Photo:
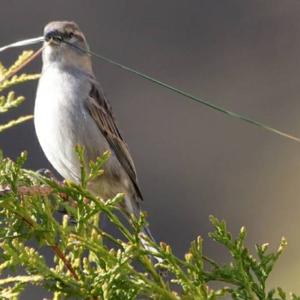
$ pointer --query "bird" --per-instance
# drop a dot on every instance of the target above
(71, 109)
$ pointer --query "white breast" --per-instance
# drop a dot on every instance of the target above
(61, 122)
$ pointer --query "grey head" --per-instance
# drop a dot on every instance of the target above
(63, 41)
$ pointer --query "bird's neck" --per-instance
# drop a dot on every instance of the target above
(70, 60)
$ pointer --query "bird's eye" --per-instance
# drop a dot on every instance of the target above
(67, 35)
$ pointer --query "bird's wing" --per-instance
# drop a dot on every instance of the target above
(101, 112)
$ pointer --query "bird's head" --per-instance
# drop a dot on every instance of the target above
(63, 41)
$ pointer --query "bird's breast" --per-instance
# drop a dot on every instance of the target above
(62, 121)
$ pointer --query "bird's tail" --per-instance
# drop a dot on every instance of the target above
(146, 234)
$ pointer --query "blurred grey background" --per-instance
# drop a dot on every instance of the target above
(191, 161)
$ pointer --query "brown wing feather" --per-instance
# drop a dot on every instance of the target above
(102, 114)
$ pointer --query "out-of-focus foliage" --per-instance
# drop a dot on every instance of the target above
(7, 80)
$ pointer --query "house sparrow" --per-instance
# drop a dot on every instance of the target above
(71, 109)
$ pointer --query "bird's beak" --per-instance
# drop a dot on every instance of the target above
(53, 37)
